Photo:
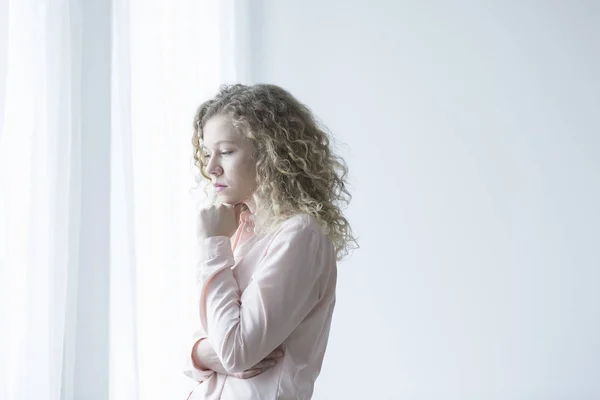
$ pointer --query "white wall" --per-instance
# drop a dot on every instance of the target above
(472, 131)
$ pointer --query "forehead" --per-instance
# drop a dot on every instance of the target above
(220, 128)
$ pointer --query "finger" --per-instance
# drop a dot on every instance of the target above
(251, 373)
(236, 207)
(275, 354)
(265, 364)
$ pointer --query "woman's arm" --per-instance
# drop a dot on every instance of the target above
(190, 368)
(205, 359)
(285, 287)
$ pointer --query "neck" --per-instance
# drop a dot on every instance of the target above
(251, 204)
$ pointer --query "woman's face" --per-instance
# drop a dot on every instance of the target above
(228, 160)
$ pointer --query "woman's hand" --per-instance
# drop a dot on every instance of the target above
(220, 220)
(269, 362)
(205, 358)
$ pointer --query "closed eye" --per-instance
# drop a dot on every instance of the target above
(207, 156)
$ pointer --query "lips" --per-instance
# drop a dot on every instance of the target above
(219, 187)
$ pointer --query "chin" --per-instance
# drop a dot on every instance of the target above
(229, 199)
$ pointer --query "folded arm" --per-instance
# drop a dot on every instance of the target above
(244, 328)
(205, 358)
(191, 367)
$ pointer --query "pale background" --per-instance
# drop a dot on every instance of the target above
(472, 131)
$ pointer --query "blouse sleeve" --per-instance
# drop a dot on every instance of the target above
(189, 369)
(244, 328)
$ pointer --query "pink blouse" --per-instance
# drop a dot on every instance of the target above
(256, 293)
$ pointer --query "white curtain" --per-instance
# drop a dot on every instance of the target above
(167, 58)
(40, 196)
(96, 213)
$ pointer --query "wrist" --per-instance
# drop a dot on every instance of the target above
(208, 359)
(209, 236)
(197, 356)
(203, 236)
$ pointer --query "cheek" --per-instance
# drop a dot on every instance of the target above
(248, 171)
(242, 170)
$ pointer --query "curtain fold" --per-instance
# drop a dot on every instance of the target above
(166, 61)
(64, 208)
(39, 196)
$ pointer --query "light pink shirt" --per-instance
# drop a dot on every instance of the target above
(256, 293)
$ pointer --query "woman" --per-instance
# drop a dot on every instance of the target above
(267, 253)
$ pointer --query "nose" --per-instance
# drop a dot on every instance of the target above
(213, 167)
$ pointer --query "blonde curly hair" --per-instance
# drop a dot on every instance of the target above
(296, 170)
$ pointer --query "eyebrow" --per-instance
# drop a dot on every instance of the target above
(221, 141)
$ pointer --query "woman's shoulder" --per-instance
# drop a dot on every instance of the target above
(303, 225)
(303, 231)
(301, 222)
